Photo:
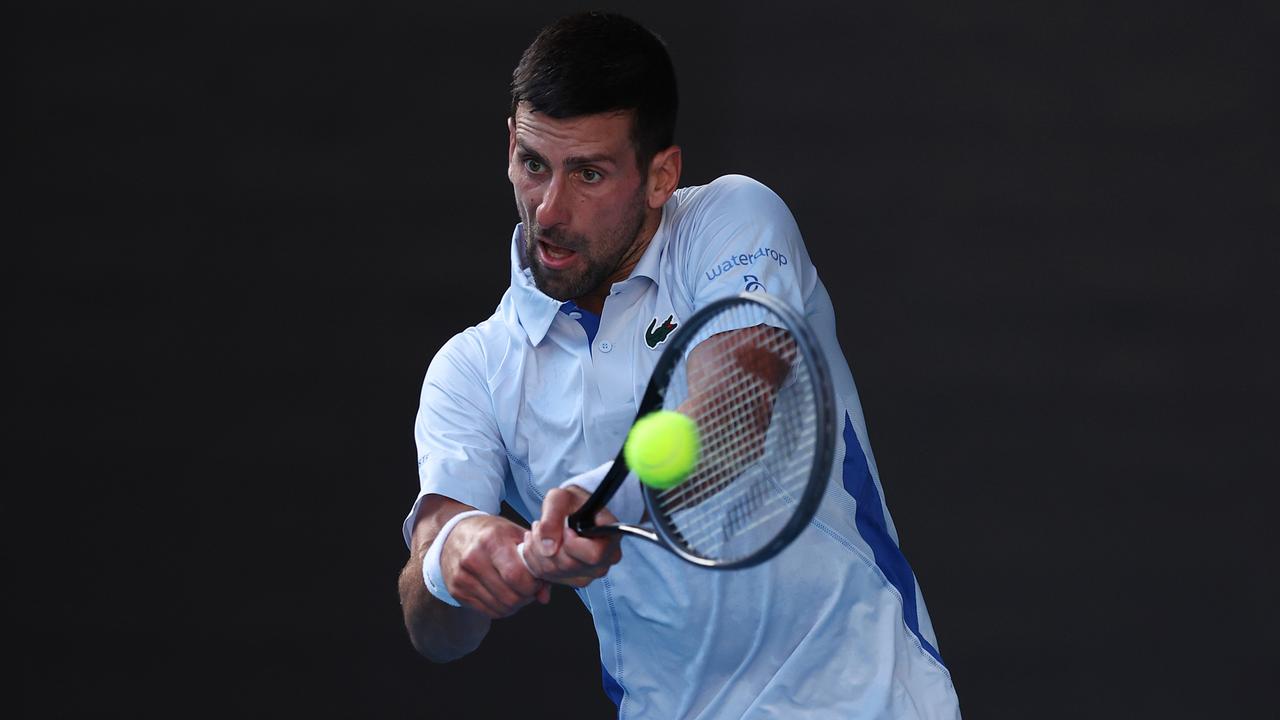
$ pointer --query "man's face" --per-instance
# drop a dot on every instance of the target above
(581, 198)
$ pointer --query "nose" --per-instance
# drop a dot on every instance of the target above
(552, 210)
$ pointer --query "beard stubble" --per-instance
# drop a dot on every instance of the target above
(617, 244)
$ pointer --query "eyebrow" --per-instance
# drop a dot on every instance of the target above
(571, 161)
(578, 160)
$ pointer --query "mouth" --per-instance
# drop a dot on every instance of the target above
(555, 258)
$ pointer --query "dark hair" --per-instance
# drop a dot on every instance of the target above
(600, 62)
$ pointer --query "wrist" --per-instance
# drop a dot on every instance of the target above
(432, 573)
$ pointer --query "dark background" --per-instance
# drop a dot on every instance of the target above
(1049, 230)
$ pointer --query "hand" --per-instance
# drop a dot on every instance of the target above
(556, 553)
(482, 571)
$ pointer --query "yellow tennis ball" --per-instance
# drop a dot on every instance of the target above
(662, 448)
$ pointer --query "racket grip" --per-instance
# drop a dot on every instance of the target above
(583, 521)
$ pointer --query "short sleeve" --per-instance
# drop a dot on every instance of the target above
(460, 451)
(746, 240)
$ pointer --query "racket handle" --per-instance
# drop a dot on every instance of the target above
(583, 521)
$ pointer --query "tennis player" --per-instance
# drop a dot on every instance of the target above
(523, 408)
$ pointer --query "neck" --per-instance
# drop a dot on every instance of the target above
(594, 300)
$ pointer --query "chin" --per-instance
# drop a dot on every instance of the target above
(547, 284)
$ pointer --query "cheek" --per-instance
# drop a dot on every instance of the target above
(618, 210)
(523, 199)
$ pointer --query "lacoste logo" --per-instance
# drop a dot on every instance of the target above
(657, 334)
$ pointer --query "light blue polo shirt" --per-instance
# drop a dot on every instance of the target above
(833, 627)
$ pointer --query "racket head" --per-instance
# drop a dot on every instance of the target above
(752, 375)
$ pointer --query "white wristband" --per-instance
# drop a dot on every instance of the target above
(626, 504)
(432, 574)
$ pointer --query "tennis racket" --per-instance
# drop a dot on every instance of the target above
(750, 373)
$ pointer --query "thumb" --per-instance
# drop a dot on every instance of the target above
(549, 531)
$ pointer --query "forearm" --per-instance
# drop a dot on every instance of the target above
(441, 632)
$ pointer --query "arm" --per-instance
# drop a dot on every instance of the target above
(481, 571)
(728, 362)
(461, 463)
(733, 379)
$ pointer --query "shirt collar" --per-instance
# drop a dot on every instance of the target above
(648, 264)
(536, 311)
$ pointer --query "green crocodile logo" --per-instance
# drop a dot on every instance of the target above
(657, 334)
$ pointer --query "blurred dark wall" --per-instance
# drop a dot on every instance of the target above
(1049, 229)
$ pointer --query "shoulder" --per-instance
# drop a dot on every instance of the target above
(736, 194)
(734, 235)
(731, 213)
(472, 353)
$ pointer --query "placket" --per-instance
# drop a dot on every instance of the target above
(608, 398)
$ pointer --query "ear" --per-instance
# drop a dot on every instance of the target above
(664, 176)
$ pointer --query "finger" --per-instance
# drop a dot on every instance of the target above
(543, 543)
(508, 600)
(488, 607)
(472, 594)
(544, 593)
(564, 570)
(505, 584)
(522, 576)
(605, 517)
(507, 603)
(549, 530)
(488, 593)
(587, 551)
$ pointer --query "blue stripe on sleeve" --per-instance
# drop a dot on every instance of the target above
(869, 519)
(611, 686)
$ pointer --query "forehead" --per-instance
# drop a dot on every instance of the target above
(600, 134)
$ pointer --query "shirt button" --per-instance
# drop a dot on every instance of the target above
(605, 346)
(575, 315)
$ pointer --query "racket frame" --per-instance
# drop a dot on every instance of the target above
(663, 532)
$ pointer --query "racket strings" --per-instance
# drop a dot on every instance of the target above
(711, 541)
(735, 516)
(735, 509)
(724, 428)
(762, 494)
(723, 450)
(716, 468)
(749, 391)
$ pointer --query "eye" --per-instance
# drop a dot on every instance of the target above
(590, 176)
(533, 166)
